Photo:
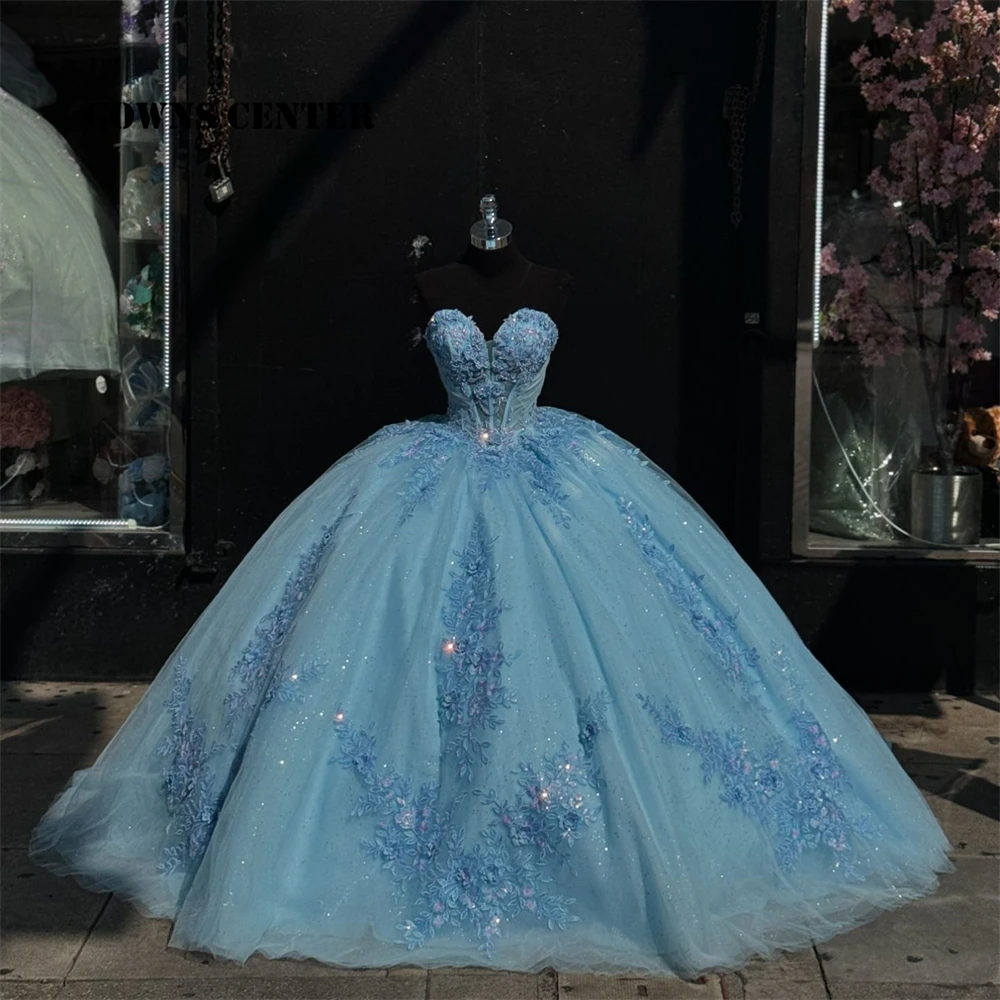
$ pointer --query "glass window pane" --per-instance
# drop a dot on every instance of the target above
(89, 430)
(904, 426)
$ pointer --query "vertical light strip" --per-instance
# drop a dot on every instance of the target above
(820, 157)
(168, 183)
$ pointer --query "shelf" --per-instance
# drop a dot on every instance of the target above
(106, 535)
(820, 546)
(50, 509)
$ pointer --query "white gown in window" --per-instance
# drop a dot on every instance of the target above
(58, 302)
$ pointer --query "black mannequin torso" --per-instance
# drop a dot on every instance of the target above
(489, 285)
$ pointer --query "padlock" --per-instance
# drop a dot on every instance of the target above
(221, 189)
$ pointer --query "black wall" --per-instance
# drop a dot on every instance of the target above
(599, 127)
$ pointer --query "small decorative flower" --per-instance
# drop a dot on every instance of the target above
(25, 418)
(154, 468)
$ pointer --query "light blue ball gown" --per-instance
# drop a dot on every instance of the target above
(495, 691)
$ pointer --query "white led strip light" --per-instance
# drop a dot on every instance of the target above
(820, 155)
(47, 523)
(168, 173)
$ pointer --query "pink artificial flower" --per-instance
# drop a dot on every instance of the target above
(964, 344)
(984, 286)
(985, 258)
(828, 260)
(25, 418)
(884, 22)
(855, 278)
(891, 257)
(934, 87)
(854, 8)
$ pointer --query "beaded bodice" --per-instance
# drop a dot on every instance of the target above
(492, 385)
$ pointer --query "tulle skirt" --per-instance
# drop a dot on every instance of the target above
(516, 704)
(58, 302)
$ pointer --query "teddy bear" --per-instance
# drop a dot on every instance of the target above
(979, 446)
(979, 438)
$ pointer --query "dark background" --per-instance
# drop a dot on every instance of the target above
(599, 127)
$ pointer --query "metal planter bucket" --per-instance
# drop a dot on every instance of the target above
(946, 507)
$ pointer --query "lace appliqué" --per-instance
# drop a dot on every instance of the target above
(791, 790)
(259, 663)
(522, 453)
(458, 347)
(188, 780)
(556, 803)
(591, 716)
(570, 431)
(404, 428)
(291, 683)
(521, 348)
(739, 660)
(522, 345)
(471, 660)
(480, 887)
(429, 451)
(527, 452)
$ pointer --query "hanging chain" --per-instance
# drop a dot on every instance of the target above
(214, 131)
(737, 102)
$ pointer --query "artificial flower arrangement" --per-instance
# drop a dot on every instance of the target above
(935, 284)
(141, 302)
(145, 403)
(142, 203)
(25, 428)
(141, 21)
(144, 490)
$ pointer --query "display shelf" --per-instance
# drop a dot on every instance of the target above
(821, 546)
(144, 482)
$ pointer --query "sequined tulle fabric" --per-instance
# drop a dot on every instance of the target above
(495, 690)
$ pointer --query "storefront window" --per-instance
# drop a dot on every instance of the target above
(90, 432)
(897, 410)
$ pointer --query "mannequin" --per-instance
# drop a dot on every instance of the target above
(493, 278)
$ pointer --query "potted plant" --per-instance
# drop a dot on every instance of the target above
(934, 285)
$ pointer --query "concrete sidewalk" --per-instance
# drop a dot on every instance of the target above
(61, 942)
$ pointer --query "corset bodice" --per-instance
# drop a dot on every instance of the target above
(492, 385)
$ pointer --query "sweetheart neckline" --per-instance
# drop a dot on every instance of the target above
(482, 336)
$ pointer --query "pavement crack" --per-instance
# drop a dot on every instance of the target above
(822, 971)
(86, 937)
